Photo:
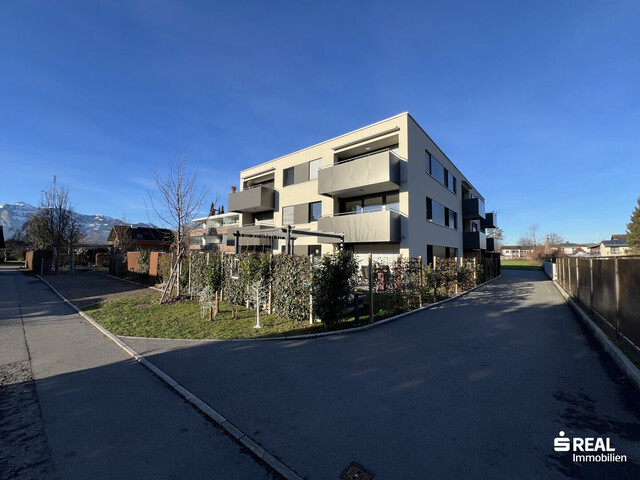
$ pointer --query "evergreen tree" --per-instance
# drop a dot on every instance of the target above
(633, 229)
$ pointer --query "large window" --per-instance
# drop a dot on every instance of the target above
(434, 168)
(440, 251)
(372, 203)
(314, 166)
(315, 211)
(438, 213)
(287, 177)
(287, 215)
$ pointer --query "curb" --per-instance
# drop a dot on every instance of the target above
(336, 332)
(198, 403)
(620, 359)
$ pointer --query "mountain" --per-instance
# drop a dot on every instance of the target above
(97, 227)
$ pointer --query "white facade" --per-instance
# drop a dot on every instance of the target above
(378, 185)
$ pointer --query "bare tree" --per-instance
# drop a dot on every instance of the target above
(530, 240)
(552, 242)
(180, 200)
(55, 223)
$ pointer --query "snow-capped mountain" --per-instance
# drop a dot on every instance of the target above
(13, 216)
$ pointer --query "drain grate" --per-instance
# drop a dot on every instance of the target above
(355, 471)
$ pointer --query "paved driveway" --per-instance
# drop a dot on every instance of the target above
(477, 388)
(73, 405)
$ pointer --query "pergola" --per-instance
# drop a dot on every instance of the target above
(288, 233)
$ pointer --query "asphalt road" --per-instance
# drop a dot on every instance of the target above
(82, 409)
(477, 388)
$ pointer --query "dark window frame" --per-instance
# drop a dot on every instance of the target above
(313, 218)
(286, 176)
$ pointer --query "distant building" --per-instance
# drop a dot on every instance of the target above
(215, 233)
(617, 246)
(515, 251)
(570, 248)
(138, 238)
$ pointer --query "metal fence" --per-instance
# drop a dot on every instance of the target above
(610, 287)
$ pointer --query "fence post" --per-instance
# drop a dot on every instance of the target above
(435, 280)
(568, 285)
(577, 279)
(311, 294)
(591, 283)
(371, 310)
(475, 272)
(421, 282)
(617, 288)
(456, 284)
(190, 294)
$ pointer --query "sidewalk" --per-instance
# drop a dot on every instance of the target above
(105, 416)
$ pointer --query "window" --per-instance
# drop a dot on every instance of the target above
(615, 250)
(315, 211)
(314, 166)
(453, 219)
(393, 202)
(451, 182)
(287, 177)
(434, 168)
(287, 215)
(438, 213)
(371, 203)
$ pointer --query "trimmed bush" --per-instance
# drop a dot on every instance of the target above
(333, 282)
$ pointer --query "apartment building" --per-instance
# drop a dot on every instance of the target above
(387, 188)
(215, 233)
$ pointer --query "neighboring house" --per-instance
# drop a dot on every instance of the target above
(611, 248)
(581, 254)
(515, 251)
(140, 238)
(569, 248)
(386, 187)
(215, 233)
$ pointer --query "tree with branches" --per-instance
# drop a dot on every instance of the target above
(55, 224)
(530, 240)
(633, 230)
(180, 200)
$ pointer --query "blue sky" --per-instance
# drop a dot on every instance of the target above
(538, 103)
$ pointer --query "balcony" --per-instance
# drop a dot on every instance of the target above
(474, 241)
(253, 200)
(491, 244)
(473, 208)
(367, 227)
(374, 173)
(256, 228)
(490, 220)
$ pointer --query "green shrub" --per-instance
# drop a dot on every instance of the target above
(333, 282)
(291, 286)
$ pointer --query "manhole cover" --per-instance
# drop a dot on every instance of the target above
(355, 471)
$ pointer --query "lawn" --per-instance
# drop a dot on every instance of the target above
(145, 317)
(520, 264)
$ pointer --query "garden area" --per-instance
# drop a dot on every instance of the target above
(226, 296)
